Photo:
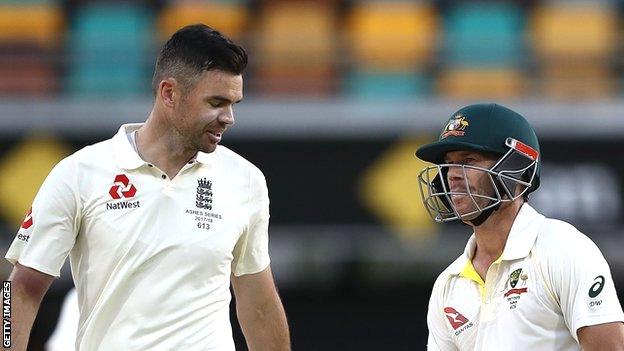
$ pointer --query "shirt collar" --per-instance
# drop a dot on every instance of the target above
(125, 155)
(458, 266)
(523, 233)
(520, 241)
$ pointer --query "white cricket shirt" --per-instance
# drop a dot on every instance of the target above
(151, 257)
(550, 281)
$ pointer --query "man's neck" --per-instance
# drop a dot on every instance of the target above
(492, 236)
(158, 143)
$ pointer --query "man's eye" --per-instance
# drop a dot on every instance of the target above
(215, 104)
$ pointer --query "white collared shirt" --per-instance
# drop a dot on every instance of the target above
(550, 281)
(151, 257)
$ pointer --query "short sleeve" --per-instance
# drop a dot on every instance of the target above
(439, 338)
(251, 253)
(49, 231)
(582, 281)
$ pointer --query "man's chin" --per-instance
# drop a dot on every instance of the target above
(208, 148)
(466, 212)
(469, 217)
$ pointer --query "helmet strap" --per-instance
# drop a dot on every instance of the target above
(484, 215)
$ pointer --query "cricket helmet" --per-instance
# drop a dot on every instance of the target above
(487, 128)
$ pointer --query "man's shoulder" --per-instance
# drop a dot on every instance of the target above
(97, 149)
(451, 270)
(553, 232)
(231, 159)
(87, 155)
(558, 239)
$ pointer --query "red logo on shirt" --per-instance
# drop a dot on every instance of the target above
(28, 221)
(519, 291)
(122, 188)
(455, 318)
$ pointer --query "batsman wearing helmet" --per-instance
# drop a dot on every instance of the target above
(524, 281)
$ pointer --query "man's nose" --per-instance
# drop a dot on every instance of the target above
(455, 173)
(227, 116)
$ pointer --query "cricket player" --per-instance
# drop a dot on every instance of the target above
(159, 220)
(524, 282)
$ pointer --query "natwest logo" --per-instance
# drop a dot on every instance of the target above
(28, 221)
(122, 188)
(455, 318)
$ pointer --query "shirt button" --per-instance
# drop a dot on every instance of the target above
(163, 176)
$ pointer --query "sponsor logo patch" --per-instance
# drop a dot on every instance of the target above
(122, 188)
(27, 224)
(595, 290)
(28, 221)
(123, 205)
(458, 321)
(455, 318)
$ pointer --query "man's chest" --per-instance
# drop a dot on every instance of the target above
(513, 303)
(191, 217)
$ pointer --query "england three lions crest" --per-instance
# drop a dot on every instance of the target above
(203, 199)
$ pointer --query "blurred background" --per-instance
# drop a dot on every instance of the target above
(338, 96)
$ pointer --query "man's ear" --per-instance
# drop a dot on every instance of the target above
(169, 92)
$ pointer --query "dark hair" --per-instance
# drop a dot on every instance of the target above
(194, 49)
